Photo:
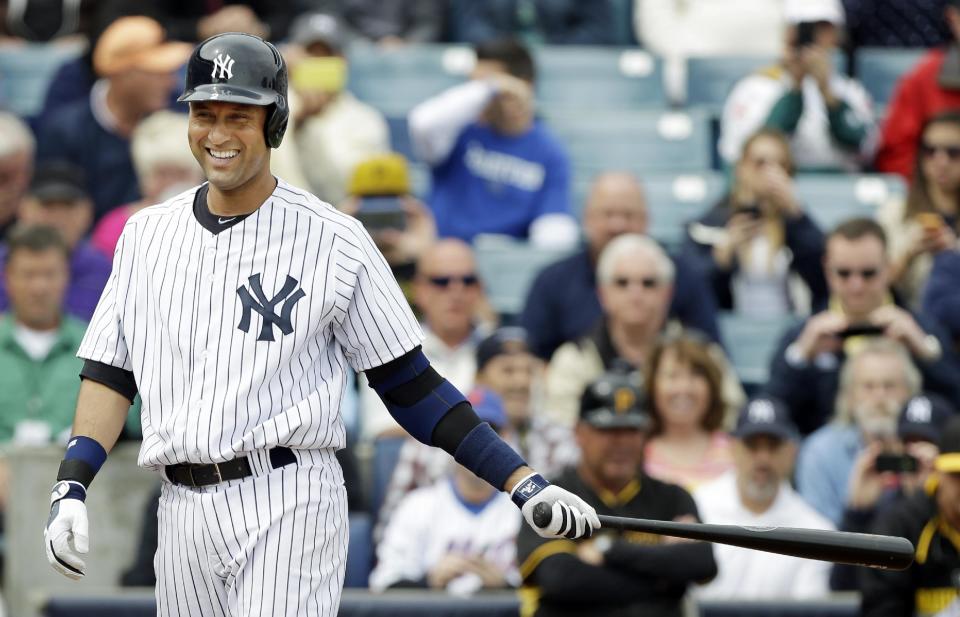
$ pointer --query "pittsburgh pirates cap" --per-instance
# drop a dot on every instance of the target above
(923, 417)
(137, 42)
(765, 416)
(503, 341)
(615, 400)
(949, 459)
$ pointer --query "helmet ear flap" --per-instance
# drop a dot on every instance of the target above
(276, 122)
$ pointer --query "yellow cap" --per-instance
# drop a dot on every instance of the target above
(383, 174)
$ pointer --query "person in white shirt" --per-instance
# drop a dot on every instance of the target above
(828, 116)
(757, 493)
(458, 535)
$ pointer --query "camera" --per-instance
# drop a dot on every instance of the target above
(896, 463)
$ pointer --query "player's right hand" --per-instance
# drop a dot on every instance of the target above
(570, 517)
(66, 535)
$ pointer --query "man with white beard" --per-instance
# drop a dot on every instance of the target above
(875, 382)
(757, 492)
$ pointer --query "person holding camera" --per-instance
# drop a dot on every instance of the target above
(931, 520)
(836, 465)
(828, 116)
(758, 237)
(805, 369)
(884, 473)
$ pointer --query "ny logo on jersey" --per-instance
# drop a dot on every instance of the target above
(223, 64)
(258, 302)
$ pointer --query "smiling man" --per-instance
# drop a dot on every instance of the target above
(237, 309)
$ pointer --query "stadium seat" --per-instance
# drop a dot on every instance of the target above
(386, 452)
(359, 550)
(833, 198)
(710, 80)
(25, 72)
(750, 342)
(643, 141)
(395, 81)
(507, 267)
(879, 68)
(590, 78)
(400, 135)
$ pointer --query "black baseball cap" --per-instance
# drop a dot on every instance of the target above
(508, 340)
(948, 461)
(923, 417)
(764, 415)
(318, 27)
(615, 400)
(58, 181)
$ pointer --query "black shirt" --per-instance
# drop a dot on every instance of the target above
(641, 575)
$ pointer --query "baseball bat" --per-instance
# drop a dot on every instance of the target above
(859, 549)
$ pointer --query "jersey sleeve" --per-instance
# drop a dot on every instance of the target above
(376, 325)
(104, 339)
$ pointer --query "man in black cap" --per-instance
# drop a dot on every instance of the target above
(757, 492)
(931, 520)
(58, 198)
(614, 573)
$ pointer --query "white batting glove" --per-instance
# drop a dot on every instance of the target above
(66, 535)
(569, 516)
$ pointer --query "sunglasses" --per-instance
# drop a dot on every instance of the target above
(929, 150)
(623, 282)
(467, 280)
(866, 274)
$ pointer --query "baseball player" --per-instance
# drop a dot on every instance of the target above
(236, 310)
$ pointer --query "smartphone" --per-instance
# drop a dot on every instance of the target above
(930, 221)
(379, 213)
(860, 330)
(896, 463)
(806, 30)
(326, 74)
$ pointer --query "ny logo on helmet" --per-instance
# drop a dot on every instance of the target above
(224, 65)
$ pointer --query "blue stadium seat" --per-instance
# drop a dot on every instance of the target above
(359, 550)
(400, 135)
(386, 452)
(574, 77)
(710, 80)
(879, 68)
(833, 198)
(507, 267)
(643, 141)
(750, 342)
(25, 73)
(395, 81)
(672, 200)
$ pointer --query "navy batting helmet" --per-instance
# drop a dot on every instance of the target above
(241, 68)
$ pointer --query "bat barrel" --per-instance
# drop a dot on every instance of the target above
(875, 551)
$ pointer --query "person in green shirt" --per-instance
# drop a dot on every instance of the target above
(38, 341)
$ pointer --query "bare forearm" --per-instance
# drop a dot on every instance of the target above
(101, 413)
(516, 476)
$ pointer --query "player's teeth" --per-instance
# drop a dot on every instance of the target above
(224, 154)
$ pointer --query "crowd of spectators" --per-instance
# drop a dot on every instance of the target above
(613, 378)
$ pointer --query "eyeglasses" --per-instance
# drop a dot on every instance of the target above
(929, 150)
(647, 282)
(866, 273)
(467, 280)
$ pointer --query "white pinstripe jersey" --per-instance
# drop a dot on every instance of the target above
(241, 340)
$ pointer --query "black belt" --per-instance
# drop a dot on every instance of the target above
(187, 474)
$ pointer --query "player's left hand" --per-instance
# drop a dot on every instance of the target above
(66, 535)
(571, 517)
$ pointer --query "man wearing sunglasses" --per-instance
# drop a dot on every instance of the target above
(804, 370)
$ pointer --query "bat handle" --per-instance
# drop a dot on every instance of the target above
(542, 514)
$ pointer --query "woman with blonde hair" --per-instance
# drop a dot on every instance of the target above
(758, 237)
(684, 387)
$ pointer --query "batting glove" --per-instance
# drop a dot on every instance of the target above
(66, 536)
(571, 517)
